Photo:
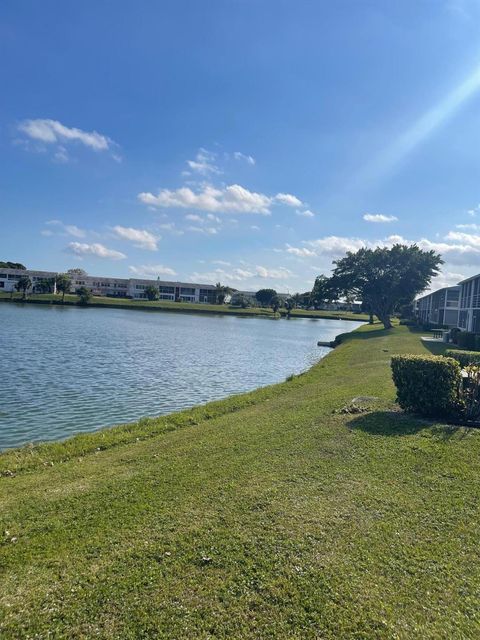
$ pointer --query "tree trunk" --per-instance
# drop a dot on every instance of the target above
(385, 319)
(370, 320)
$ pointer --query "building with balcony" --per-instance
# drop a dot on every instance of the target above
(469, 315)
(113, 287)
(440, 308)
(40, 279)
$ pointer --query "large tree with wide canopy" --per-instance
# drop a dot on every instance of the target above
(385, 278)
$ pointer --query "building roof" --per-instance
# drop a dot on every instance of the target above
(455, 286)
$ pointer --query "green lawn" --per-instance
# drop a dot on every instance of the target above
(165, 305)
(269, 515)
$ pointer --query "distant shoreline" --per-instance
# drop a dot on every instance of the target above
(182, 307)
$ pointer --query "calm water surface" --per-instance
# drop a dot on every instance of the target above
(67, 370)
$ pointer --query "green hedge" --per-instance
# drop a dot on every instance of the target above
(465, 358)
(466, 340)
(428, 385)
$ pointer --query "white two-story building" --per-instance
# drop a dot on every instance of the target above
(10, 277)
(112, 287)
(440, 307)
(469, 315)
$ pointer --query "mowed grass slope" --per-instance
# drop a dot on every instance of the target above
(187, 307)
(269, 515)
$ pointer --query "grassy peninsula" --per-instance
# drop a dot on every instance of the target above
(186, 307)
(276, 514)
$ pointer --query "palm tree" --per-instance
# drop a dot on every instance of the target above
(275, 304)
(64, 283)
(23, 284)
(221, 292)
(152, 292)
(289, 305)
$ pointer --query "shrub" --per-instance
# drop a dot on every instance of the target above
(464, 358)
(466, 340)
(428, 385)
(454, 334)
(471, 393)
(84, 295)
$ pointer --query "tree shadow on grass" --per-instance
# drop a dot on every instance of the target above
(397, 423)
(366, 335)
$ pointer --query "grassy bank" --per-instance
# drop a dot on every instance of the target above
(165, 305)
(269, 515)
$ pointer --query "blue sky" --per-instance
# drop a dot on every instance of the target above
(245, 141)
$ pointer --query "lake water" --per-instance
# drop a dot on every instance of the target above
(69, 370)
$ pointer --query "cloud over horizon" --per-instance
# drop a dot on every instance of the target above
(96, 249)
(379, 217)
(230, 199)
(152, 270)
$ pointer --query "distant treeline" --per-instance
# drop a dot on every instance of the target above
(11, 265)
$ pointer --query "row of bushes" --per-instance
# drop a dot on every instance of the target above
(467, 340)
(464, 358)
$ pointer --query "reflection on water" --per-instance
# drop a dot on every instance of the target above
(67, 370)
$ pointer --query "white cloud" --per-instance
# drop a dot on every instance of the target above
(230, 199)
(61, 155)
(238, 155)
(264, 272)
(288, 199)
(446, 279)
(211, 231)
(306, 213)
(203, 163)
(51, 132)
(379, 217)
(336, 245)
(472, 227)
(193, 217)
(64, 229)
(254, 227)
(465, 238)
(234, 276)
(141, 239)
(457, 248)
(222, 263)
(170, 227)
(251, 276)
(82, 249)
(474, 211)
(152, 270)
(301, 252)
